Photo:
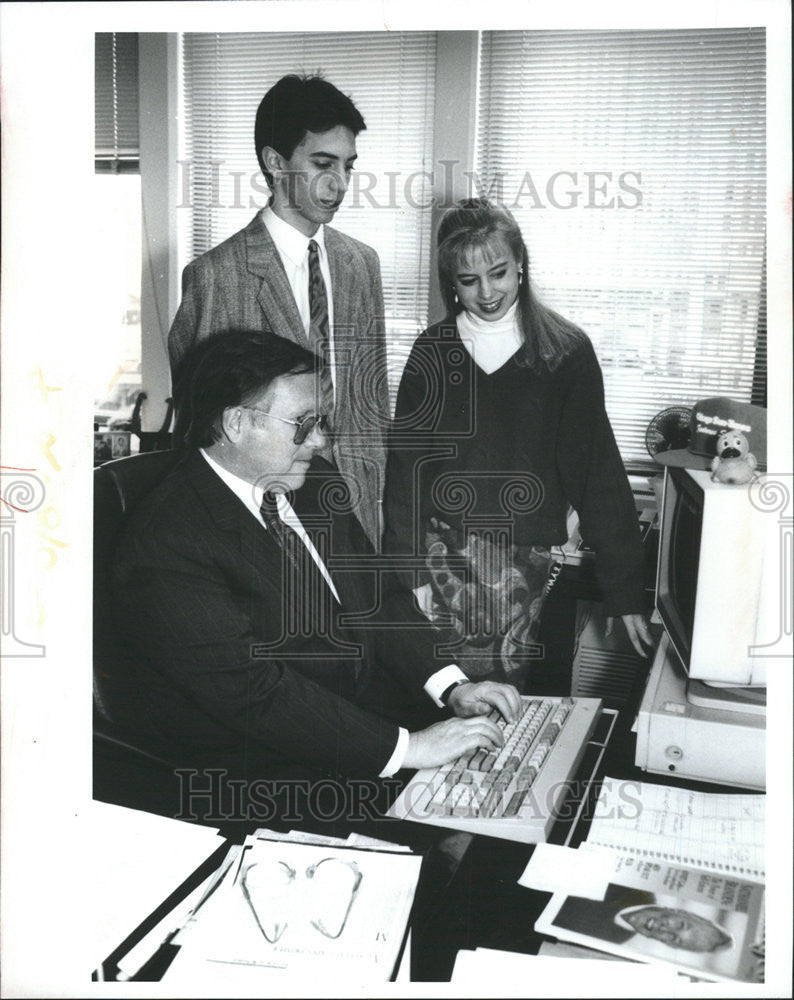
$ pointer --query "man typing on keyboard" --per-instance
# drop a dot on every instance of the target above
(265, 643)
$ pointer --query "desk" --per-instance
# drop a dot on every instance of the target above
(444, 891)
(468, 894)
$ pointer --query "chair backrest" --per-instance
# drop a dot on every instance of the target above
(152, 440)
(118, 487)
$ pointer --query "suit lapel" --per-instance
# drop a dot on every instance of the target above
(232, 518)
(265, 556)
(257, 545)
(334, 531)
(346, 640)
(346, 268)
(275, 295)
(342, 265)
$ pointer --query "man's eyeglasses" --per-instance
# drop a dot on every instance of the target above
(303, 427)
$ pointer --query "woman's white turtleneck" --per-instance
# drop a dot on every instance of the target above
(490, 343)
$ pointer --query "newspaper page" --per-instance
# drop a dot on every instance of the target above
(707, 924)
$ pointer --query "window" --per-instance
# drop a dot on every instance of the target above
(116, 102)
(635, 163)
(389, 76)
(116, 362)
(115, 366)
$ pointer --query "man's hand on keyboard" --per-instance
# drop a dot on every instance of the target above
(444, 741)
(521, 779)
(479, 698)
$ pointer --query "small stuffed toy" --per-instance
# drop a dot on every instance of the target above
(734, 462)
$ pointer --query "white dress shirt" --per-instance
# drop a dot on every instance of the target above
(293, 249)
(251, 496)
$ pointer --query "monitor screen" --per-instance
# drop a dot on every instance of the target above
(687, 520)
(710, 575)
(679, 560)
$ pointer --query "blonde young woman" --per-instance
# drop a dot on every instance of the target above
(499, 426)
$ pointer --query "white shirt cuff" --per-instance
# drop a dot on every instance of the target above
(395, 762)
(438, 683)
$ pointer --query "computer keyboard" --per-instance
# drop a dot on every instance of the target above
(516, 791)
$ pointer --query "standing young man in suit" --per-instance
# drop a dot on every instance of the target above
(260, 626)
(290, 273)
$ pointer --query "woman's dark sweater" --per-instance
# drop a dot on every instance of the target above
(511, 448)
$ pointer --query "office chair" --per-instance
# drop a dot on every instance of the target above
(124, 772)
(152, 440)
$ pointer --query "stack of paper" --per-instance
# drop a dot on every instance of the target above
(665, 876)
(301, 906)
(137, 859)
(553, 976)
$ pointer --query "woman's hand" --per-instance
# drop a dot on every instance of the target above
(424, 600)
(638, 632)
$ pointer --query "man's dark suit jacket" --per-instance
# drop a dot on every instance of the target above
(241, 284)
(213, 677)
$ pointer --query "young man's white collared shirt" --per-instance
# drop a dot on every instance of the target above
(293, 249)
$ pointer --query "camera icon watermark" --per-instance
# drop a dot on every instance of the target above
(772, 494)
(22, 493)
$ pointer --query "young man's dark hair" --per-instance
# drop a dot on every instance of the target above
(297, 105)
(229, 368)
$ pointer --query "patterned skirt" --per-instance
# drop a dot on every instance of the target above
(487, 596)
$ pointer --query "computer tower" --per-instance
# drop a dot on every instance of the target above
(680, 739)
(604, 666)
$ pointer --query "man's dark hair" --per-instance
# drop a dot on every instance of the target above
(229, 369)
(297, 105)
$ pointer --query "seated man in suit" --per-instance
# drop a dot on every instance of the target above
(265, 641)
(289, 272)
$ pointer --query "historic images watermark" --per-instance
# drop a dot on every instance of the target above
(485, 580)
(563, 189)
(213, 795)
(475, 559)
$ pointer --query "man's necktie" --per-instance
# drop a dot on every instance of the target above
(319, 328)
(309, 607)
(308, 601)
(282, 533)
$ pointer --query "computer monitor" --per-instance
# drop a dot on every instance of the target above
(711, 586)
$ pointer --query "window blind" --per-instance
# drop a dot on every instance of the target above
(390, 76)
(116, 102)
(634, 162)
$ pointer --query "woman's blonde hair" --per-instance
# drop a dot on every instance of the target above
(472, 225)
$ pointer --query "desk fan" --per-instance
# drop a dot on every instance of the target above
(669, 429)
